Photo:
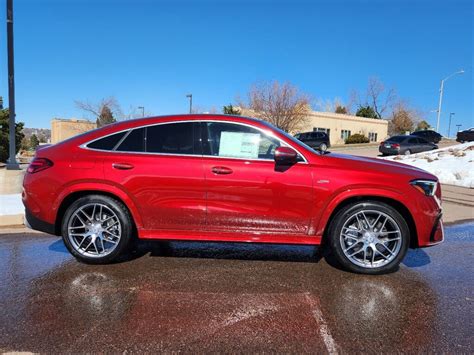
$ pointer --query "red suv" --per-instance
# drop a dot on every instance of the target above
(227, 178)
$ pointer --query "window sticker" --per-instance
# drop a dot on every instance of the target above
(239, 145)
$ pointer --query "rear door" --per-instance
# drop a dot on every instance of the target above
(160, 167)
(246, 192)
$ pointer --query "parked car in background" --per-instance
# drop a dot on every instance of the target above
(405, 145)
(315, 140)
(429, 135)
(227, 178)
(465, 136)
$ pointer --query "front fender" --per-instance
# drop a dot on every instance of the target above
(340, 197)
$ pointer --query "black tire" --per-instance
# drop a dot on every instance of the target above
(337, 223)
(323, 147)
(407, 152)
(124, 219)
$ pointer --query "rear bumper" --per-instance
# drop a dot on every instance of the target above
(35, 223)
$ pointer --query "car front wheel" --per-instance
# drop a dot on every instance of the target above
(96, 229)
(369, 237)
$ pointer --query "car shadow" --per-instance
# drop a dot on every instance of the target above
(225, 250)
(416, 258)
(58, 246)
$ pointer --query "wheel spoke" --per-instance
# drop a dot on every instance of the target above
(364, 231)
(94, 230)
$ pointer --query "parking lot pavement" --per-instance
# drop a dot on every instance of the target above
(228, 297)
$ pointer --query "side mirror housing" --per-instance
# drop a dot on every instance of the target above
(285, 156)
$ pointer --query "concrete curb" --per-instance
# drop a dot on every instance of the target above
(12, 220)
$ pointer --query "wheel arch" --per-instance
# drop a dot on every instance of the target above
(72, 196)
(397, 205)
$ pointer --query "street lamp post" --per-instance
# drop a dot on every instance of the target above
(458, 126)
(190, 97)
(441, 88)
(449, 126)
(143, 110)
(12, 164)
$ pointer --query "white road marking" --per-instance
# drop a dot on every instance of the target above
(328, 340)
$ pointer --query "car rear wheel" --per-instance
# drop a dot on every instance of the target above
(323, 147)
(96, 229)
(407, 152)
(369, 237)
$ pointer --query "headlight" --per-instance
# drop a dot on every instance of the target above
(427, 187)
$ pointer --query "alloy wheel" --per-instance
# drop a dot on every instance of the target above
(370, 239)
(94, 230)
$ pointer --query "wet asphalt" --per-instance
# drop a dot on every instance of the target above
(183, 297)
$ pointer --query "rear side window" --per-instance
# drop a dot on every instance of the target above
(414, 140)
(134, 142)
(107, 143)
(173, 138)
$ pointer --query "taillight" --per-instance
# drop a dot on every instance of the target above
(382, 143)
(39, 164)
(396, 146)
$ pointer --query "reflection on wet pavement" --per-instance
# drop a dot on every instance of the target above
(181, 296)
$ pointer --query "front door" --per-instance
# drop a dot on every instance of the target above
(245, 190)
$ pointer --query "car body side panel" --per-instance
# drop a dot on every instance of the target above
(259, 196)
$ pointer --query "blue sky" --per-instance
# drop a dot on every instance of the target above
(152, 53)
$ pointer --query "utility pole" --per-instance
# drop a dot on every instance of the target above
(458, 126)
(143, 110)
(190, 97)
(441, 89)
(12, 164)
(449, 126)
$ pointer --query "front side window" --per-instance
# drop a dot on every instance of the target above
(172, 138)
(237, 141)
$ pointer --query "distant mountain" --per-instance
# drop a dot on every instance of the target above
(39, 132)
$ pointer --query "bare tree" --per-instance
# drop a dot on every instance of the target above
(96, 109)
(378, 97)
(404, 118)
(283, 105)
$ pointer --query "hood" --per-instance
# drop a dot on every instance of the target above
(375, 164)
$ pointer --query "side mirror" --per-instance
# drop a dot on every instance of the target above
(285, 156)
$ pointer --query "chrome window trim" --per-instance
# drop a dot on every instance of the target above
(264, 131)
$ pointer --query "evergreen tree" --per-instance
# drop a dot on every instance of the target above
(106, 117)
(4, 135)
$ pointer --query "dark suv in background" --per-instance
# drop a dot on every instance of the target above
(465, 136)
(315, 140)
(429, 135)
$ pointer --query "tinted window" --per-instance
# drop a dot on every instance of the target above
(134, 142)
(396, 139)
(173, 138)
(413, 140)
(107, 143)
(238, 141)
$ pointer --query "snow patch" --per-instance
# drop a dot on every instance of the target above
(11, 205)
(452, 165)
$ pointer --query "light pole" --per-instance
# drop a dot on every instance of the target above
(190, 97)
(143, 110)
(458, 126)
(441, 88)
(449, 126)
(12, 164)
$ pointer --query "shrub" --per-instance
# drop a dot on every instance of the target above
(357, 138)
